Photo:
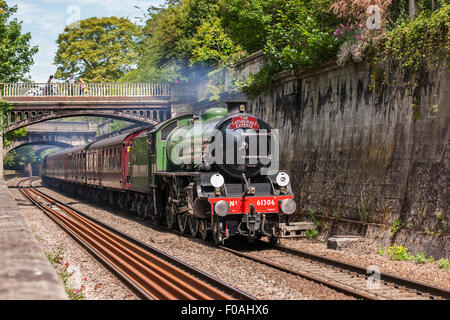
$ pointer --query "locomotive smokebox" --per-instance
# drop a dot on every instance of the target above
(236, 106)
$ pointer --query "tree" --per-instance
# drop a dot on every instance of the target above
(99, 50)
(18, 158)
(16, 54)
(173, 44)
(211, 45)
(16, 57)
(246, 21)
(300, 36)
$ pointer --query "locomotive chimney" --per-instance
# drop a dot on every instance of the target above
(236, 106)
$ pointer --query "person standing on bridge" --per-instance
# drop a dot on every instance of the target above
(49, 86)
(83, 87)
(71, 81)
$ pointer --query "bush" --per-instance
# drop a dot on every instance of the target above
(400, 253)
(420, 258)
(312, 234)
(444, 264)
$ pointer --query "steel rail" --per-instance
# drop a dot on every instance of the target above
(403, 286)
(385, 276)
(151, 275)
(321, 280)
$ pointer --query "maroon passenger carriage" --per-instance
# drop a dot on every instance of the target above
(100, 170)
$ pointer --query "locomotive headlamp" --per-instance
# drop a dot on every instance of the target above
(217, 181)
(288, 206)
(283, 179)
(222, 208)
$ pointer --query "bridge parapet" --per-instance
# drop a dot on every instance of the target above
(70, 126)
(87, 89)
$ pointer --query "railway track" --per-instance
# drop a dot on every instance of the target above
(152, 273)
(343, 277)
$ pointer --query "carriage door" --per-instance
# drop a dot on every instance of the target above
(126, 162)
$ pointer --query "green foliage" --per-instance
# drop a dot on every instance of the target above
(396, 226)
(312, 234)
(381, 251)
(442, 223)
(246, 21)
(417, 46)
(400, 253)
(337, 213)
(421, 258)
(299, 37)
(171, 35)
(297, 34)
(16, 54)
(99, 50)
(363, 212)
(312, 213)
(443, 264)
(18, 158)
(211, 45)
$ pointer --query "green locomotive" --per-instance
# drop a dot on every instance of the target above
(211, 174)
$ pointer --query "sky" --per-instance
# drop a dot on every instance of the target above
(46, 19)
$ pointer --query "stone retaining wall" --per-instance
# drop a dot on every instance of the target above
(366, 154)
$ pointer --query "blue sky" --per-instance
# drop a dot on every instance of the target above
(46, 19)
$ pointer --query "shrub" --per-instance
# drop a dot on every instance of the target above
(312, 234)
(381, 251)
(444, 264)
(421, 258)
(400, 253)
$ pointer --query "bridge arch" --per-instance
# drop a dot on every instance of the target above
(18, 144)
(134, 116)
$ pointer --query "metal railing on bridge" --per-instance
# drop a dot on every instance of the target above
(85, 89)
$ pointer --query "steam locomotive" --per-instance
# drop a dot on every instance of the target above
(210, 175)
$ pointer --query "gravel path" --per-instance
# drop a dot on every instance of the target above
(364, 253)
(253, 278)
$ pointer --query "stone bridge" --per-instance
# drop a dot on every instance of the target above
(59, 134)
(141, 103)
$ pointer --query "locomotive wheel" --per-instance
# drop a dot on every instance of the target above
(171, 217)
(182, 222)
(217, 231)
(203, 229)
(193, 226)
